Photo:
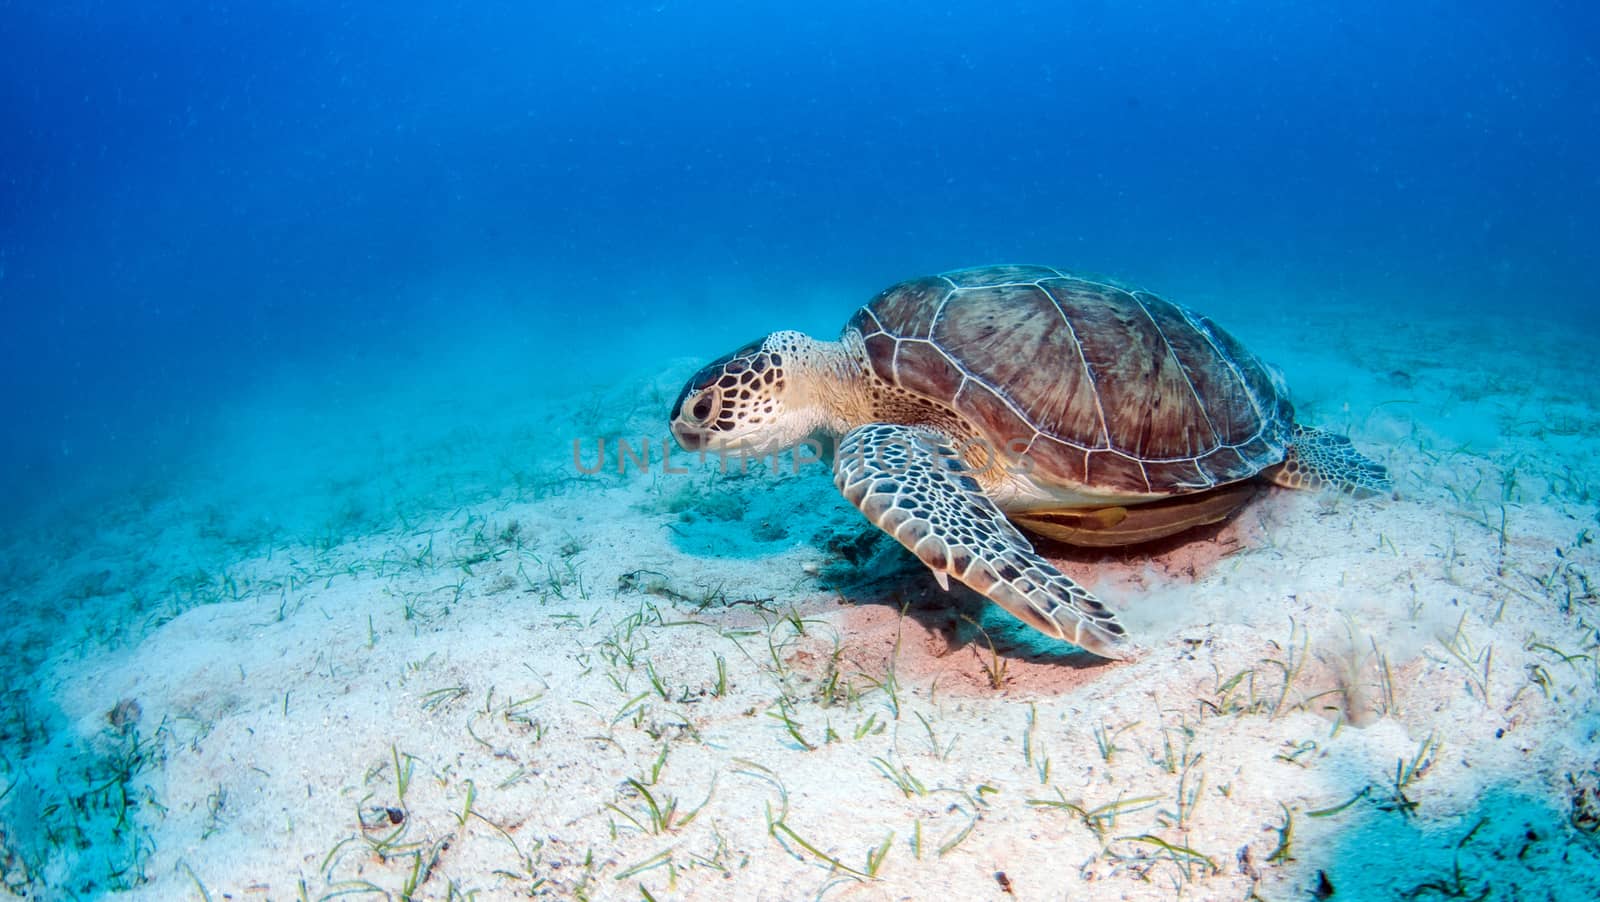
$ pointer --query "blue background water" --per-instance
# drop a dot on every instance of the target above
(306, 206)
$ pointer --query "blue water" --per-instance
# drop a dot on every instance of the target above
(231, 232)
(199, 195)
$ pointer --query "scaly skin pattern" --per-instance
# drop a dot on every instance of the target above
(914, 486)
(1324, 460)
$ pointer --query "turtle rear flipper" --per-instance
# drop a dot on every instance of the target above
(912, 484)
(1326, 460)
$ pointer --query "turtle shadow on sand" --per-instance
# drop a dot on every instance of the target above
(905, 622)
(895, 614)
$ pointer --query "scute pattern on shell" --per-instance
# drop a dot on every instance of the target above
(1106, 387)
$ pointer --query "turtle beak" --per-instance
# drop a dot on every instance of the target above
(689, 439)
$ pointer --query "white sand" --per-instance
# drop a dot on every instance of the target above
(532, 685)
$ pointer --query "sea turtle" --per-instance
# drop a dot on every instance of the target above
(1080, 410)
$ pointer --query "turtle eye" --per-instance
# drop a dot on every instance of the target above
(705, 406)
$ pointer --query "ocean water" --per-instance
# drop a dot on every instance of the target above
(290, 278)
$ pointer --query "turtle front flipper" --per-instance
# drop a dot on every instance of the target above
(1326, 460)
(912, 484)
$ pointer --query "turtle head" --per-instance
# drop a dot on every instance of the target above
(754, 398)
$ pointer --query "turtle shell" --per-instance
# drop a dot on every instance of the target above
(1104, 388)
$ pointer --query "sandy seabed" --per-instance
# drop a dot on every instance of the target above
(654, 685)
